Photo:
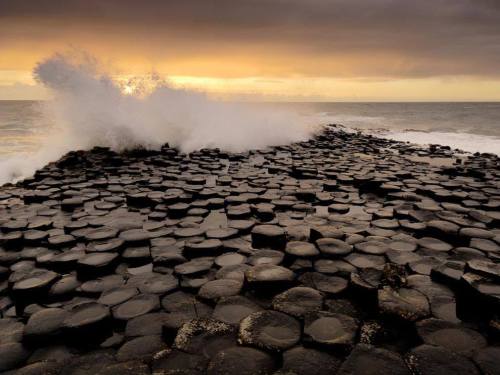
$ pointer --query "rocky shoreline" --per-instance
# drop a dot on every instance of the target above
(345, 254)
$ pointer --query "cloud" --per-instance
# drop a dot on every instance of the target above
(383, 38)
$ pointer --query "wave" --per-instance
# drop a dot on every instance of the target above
(461, 141)
(90, 108)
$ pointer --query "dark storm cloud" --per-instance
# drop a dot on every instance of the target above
(411, 38)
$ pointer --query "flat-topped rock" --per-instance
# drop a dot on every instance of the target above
(298, 301)
(269, 330)
(406, 304)
(270, 236)
(269, 276)
(241, 360)
(232, 310)
(333, 247)
(429, 359)
(366, 359)
(330, 329)
(451, 336)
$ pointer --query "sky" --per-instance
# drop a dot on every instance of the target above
(298, 50)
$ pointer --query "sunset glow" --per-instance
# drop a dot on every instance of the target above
(335, 50)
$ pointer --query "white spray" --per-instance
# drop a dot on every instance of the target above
(91, 109)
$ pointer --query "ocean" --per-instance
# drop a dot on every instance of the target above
(470, 127)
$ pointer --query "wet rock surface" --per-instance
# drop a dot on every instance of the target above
(344, 254)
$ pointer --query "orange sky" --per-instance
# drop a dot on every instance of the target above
(356, 50)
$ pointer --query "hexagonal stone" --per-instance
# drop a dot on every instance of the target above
(118, 295)
(99, 285)
(45, 324)
(405, 304)
(35, 284)
(403, 246)
(96, 264)
(329, 329)
(146, 325)
(134, 367)
(241, 360)
(424, 265)
(434, 244)
(269, 276)
(222, 233)
(137, 255)
(220, 288)
(451, 336)
(301, 249)
(488, 360)
(236, 272)
(327, 284)
(87, 322)
(111, 245)
(484, 289)
(333, 247)
(371, 247)
(306, 361)
(154, 283)
(366, 359)
(61, 241)
(12, 330)
(177, 362)
(204, 336)
(230, 259)
(488, 269)
(266, 257)
(269, 330)
(243, 226)
(204, 248)
(140, 348)
(268, 236)
(485, 245)
(365, 261)
(195, 266)
(435, 360)
(135, 236)
(232, 310)
(100, 234)
(189, 232)
(298, 301)
(12, 355)
(136, 306)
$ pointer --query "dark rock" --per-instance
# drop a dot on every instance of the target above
(406, 304)
(241, 360)
(204, 336)
(140, 348)
(12, 355)
(136, 306)
(175, 362)
(305, 361)
(232, 310)
(331, 330)
(298, 301)
(366, 359)
(269, 236)
(451, 336)
(434, 360)
(269, 330)
(86, 323)
(220, 288)
(333, 247)
(45, 324)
